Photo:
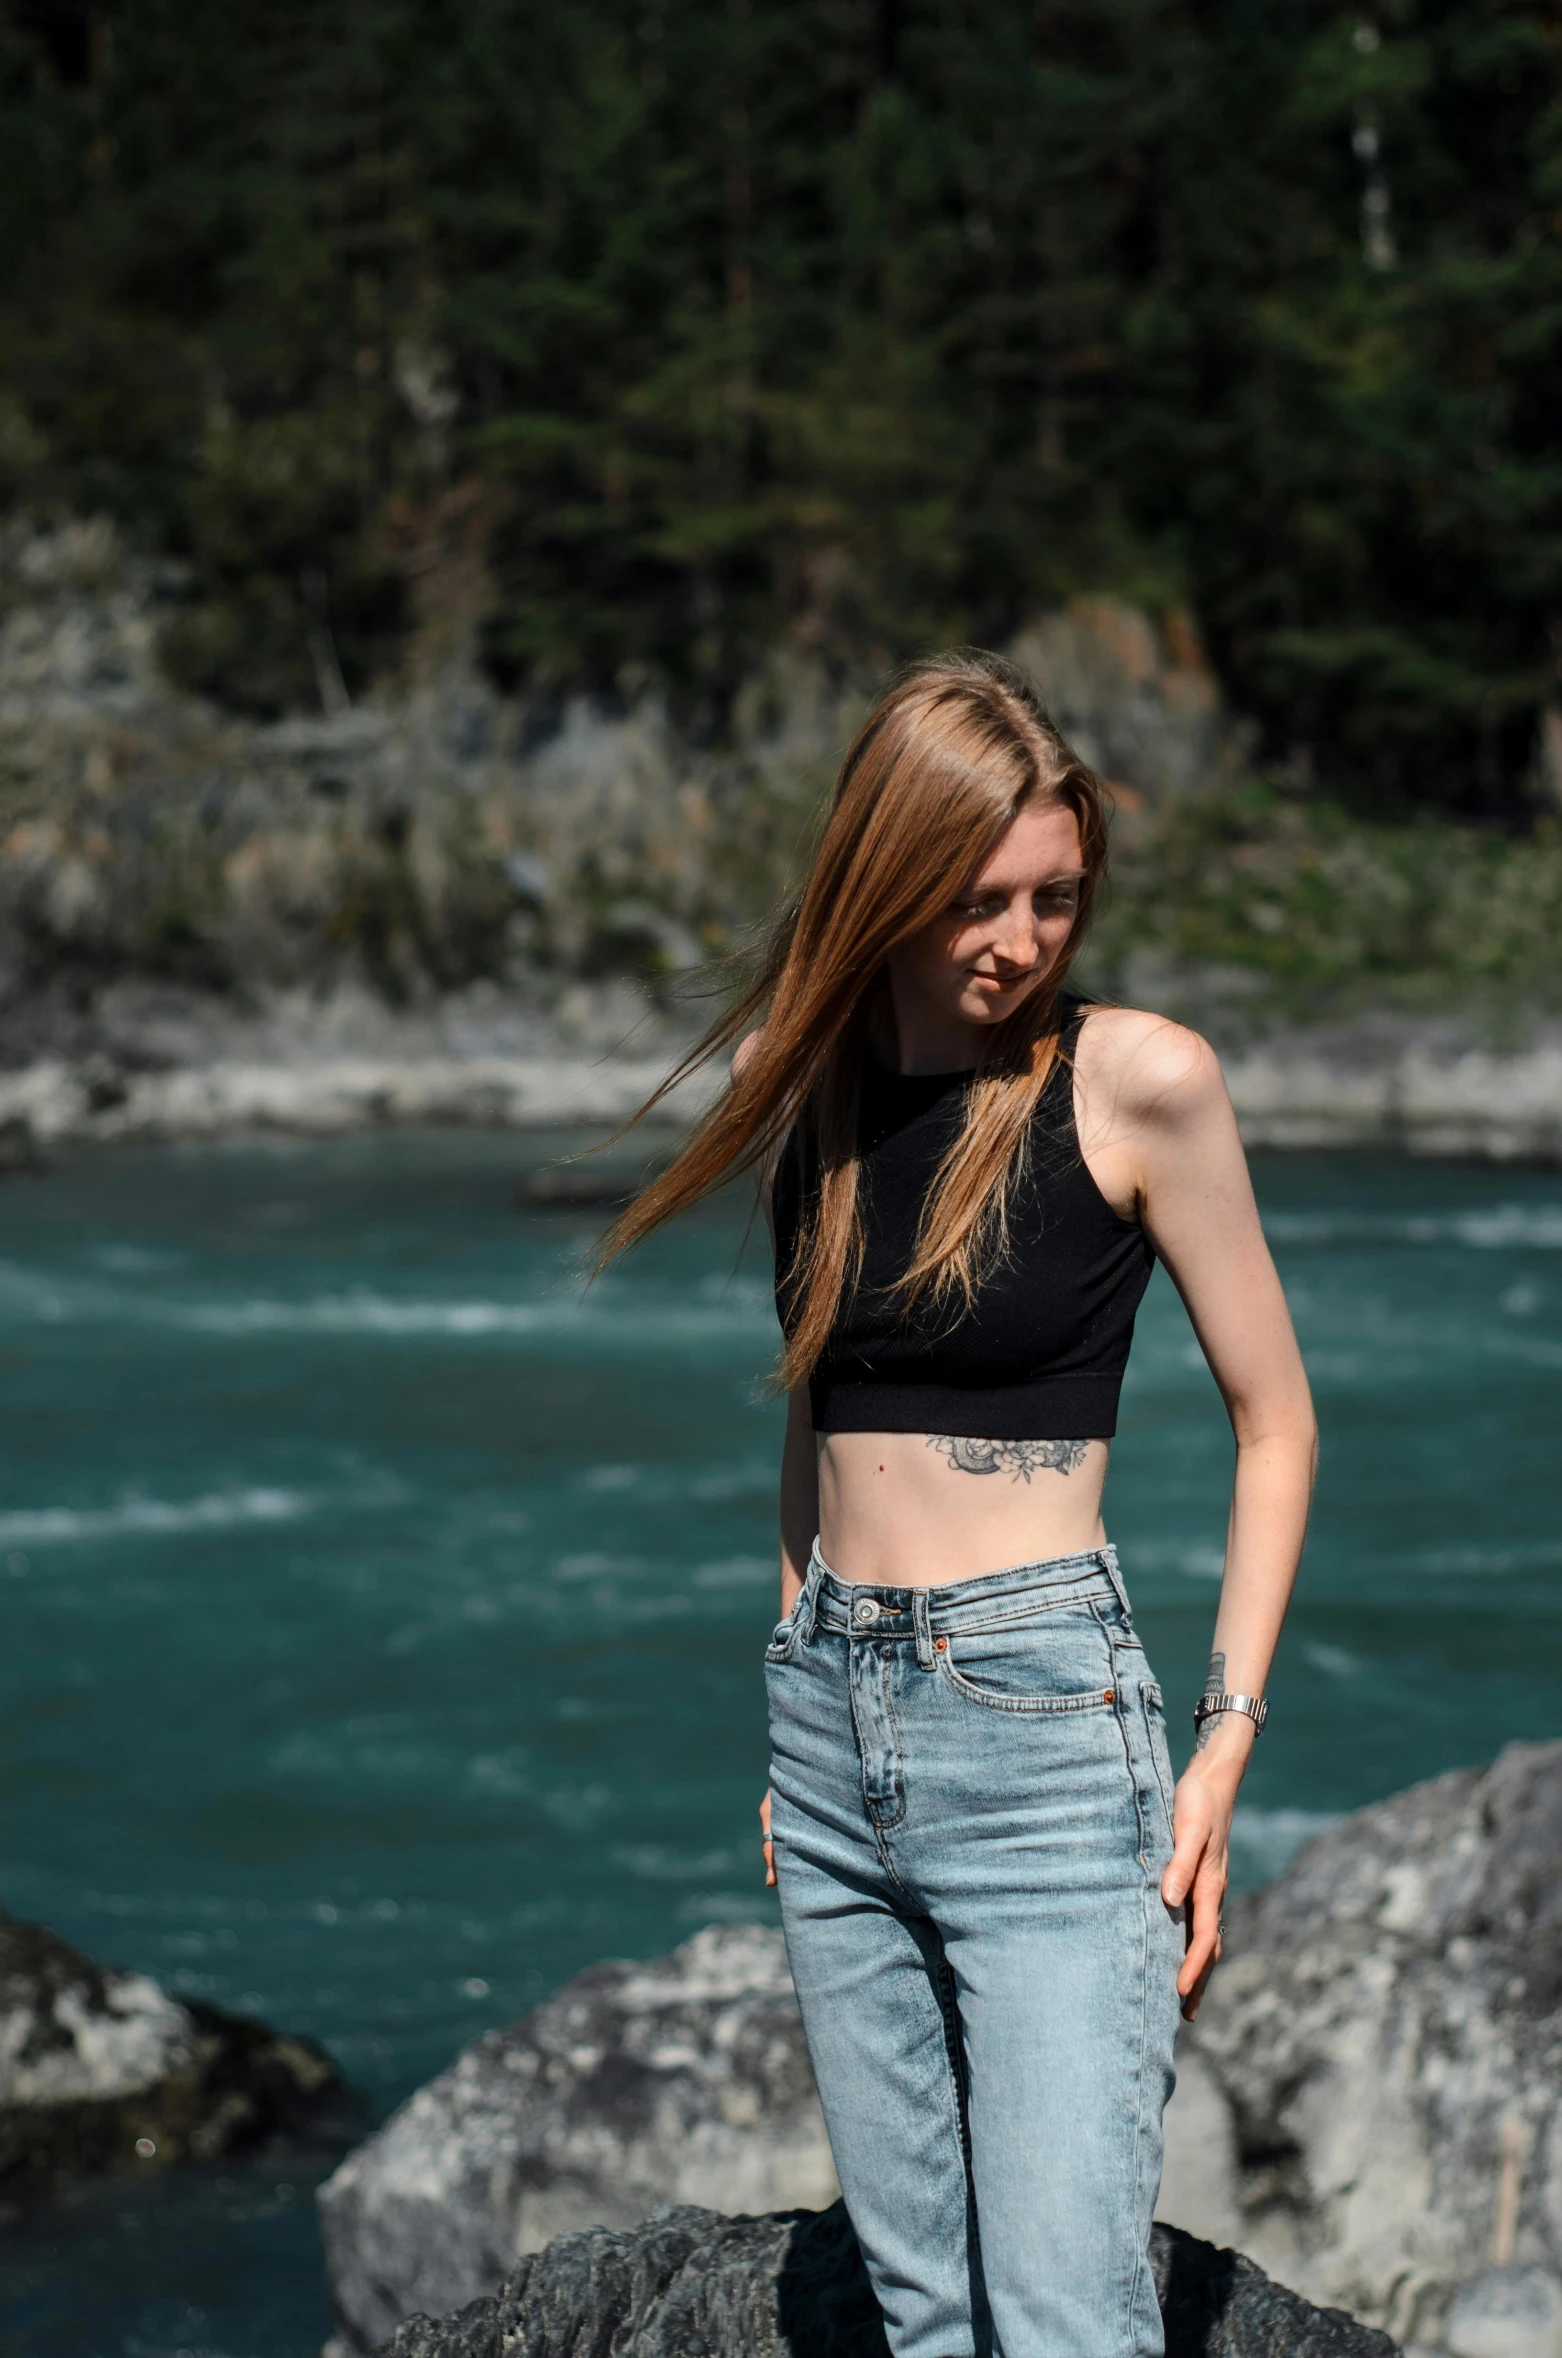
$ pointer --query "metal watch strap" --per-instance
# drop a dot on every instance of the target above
(1255, 1707)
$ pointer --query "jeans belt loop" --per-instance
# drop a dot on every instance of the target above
(922, 1624)
(1108, 1558)
(807, 1617)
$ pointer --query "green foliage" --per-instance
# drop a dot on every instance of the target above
(1321, 913)
(876, 322)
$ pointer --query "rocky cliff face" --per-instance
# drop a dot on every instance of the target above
(447, 904)
(690, 2284)
(1386, 2045)
(103, 2071)
(439, 835)
(1370, 2104)
(686, 2080)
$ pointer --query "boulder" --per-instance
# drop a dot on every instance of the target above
(692, 2284)
(102, 2071)
(1386, 2041)
(1370, 2103)
(685, 2080)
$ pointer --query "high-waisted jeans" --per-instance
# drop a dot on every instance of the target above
(971, 1802)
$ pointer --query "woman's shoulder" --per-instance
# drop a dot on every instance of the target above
(1145, 1066)
(745, 1052)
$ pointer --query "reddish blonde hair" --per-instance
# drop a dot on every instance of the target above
(952, 750)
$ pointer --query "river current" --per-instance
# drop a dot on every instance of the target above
(382, 1618)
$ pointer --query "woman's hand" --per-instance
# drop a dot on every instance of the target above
(769, 1847)
(1201, 1818)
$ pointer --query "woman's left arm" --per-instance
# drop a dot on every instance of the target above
(1175, 1121)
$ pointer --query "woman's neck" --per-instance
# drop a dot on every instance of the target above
(914, 1039)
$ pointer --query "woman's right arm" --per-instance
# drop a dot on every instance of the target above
(799, 1523)
(799, 1496)
(799, 1464)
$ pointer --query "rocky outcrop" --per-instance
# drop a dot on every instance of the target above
(1370, 2104)
(435, 835)
(315, 1072)
(440, 832)
(1386, 2042)
(102, 2071)
(1137, 700)
(1417, 1088)
(445, 904)
(691, 2284)
(686, 2080)
(54, 1104)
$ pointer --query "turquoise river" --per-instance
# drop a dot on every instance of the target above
(382, 1618)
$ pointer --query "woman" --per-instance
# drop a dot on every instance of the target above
(993, 1900)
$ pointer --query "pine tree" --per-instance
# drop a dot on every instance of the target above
(877, 322)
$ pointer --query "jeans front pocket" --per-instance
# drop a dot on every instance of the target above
(1054, 1660)
(784, 1638)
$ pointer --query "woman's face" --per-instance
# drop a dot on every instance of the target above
(977, 962)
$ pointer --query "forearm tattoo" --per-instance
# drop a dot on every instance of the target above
(1214, 1684)
(1018, 1459)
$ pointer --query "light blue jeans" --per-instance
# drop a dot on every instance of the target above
(971, 1802)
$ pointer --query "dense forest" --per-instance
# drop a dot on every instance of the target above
(873, 322)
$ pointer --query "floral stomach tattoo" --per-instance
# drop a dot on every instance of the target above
(1018, 1459)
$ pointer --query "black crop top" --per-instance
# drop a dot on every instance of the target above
(1040, 1354)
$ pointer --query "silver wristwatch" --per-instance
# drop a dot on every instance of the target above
(1256, 1708)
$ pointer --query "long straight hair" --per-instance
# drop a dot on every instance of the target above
(953, 749)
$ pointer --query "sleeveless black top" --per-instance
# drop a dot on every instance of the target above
(1040, 1354)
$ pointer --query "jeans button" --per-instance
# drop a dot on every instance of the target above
(866, 1609)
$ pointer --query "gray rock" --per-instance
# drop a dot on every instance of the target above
(691, 2284)
(1369, 2102)
(433, 836)
(685, 2080)
(445, 904)
(1507, 2313)
(103, 2071)
(1386, 2036)
(52, 1104)
(1140, 703)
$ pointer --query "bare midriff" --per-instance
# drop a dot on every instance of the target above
(914, 1510)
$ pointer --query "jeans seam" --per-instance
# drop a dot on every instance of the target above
(1144, 2033)
(1134, 1779)
(1094, 1699)
(793, 1624)
(886, 1859)
(1086, 1598)
(878, 1829)
(1151, 1770)
(1147, 1690)
(951, 2014)
(886, 1666)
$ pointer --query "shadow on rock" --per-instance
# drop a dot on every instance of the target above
(691, 2284)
